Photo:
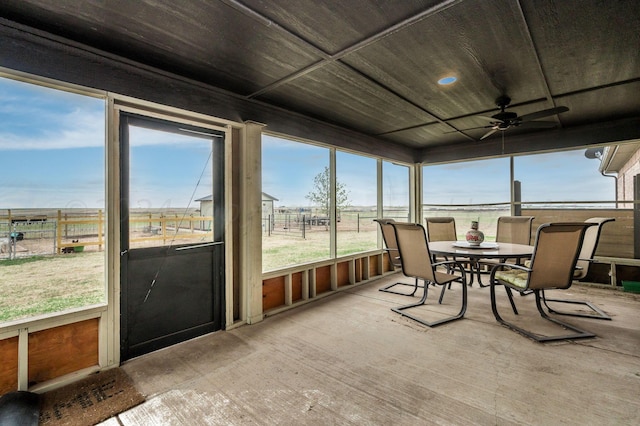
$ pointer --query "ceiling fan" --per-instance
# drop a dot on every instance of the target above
(505, 120)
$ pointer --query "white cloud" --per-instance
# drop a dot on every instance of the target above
(76, 129)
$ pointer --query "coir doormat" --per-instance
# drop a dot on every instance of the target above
(90, 400)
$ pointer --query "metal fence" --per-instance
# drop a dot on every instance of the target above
(25, 239)
(299, 225)
(292, 224)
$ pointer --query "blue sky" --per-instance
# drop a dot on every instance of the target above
(289, 169)
(168, 170)
(52, 155)
(559, 176)
(51, 148)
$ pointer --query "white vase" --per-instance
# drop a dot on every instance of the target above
(474, 236)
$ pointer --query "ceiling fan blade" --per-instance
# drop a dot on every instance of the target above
(543, 113)
(489, 133)
(484, 117)
(538, 124)
(471, 128)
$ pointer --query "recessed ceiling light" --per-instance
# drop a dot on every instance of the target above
(447, 80)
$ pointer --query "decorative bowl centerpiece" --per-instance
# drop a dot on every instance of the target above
(474, 236)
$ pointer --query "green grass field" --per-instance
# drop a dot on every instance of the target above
(44, 284)
(356, 233)
(41, 285)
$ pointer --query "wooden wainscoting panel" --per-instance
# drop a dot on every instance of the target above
(373, 265)
(343, 273)
(386, 264)
(8, 365)
(62, 350)
(323, 279)
(296, 286)
(600, 273)
(272, 293)
(625, 273)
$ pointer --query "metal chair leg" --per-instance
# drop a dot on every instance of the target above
(598, 313)
(401, 310)
(444, 287)
(479, 273)
(510, 295)
(387, 289)
(579, 333)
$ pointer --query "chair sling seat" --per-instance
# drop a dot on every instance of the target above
(440, 228)
(444, 278)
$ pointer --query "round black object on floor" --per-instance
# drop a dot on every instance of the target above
(19, 408)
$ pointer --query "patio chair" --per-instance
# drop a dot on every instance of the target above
(514, 229)
(441, 228)
(389, 238)
(510, 229)
(417, 262)
(552, 266)
(591, 238)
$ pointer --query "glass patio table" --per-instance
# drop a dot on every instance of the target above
(465, 252)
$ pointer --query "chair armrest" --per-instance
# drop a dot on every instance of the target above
(447, 262)
(452, 264)
(512, 266)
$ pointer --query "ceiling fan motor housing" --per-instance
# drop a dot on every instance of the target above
(503, 102)
(505, 119)
(505, 116)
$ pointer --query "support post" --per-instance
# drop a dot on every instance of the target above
(636, 217)
(517, 198)
(250, 181)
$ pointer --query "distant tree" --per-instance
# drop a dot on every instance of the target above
(321, 193)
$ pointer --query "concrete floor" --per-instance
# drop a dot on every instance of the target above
(348, 359)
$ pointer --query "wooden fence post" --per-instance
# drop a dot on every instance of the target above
(100, 220)
(59, 232)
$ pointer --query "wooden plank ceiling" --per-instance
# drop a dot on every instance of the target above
(373, 65)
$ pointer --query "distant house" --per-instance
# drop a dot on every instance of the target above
(624, 160)
(206, 207)
(267, 205)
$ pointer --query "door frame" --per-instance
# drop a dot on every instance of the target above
(116, 105)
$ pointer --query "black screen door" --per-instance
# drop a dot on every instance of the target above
(172, 233)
